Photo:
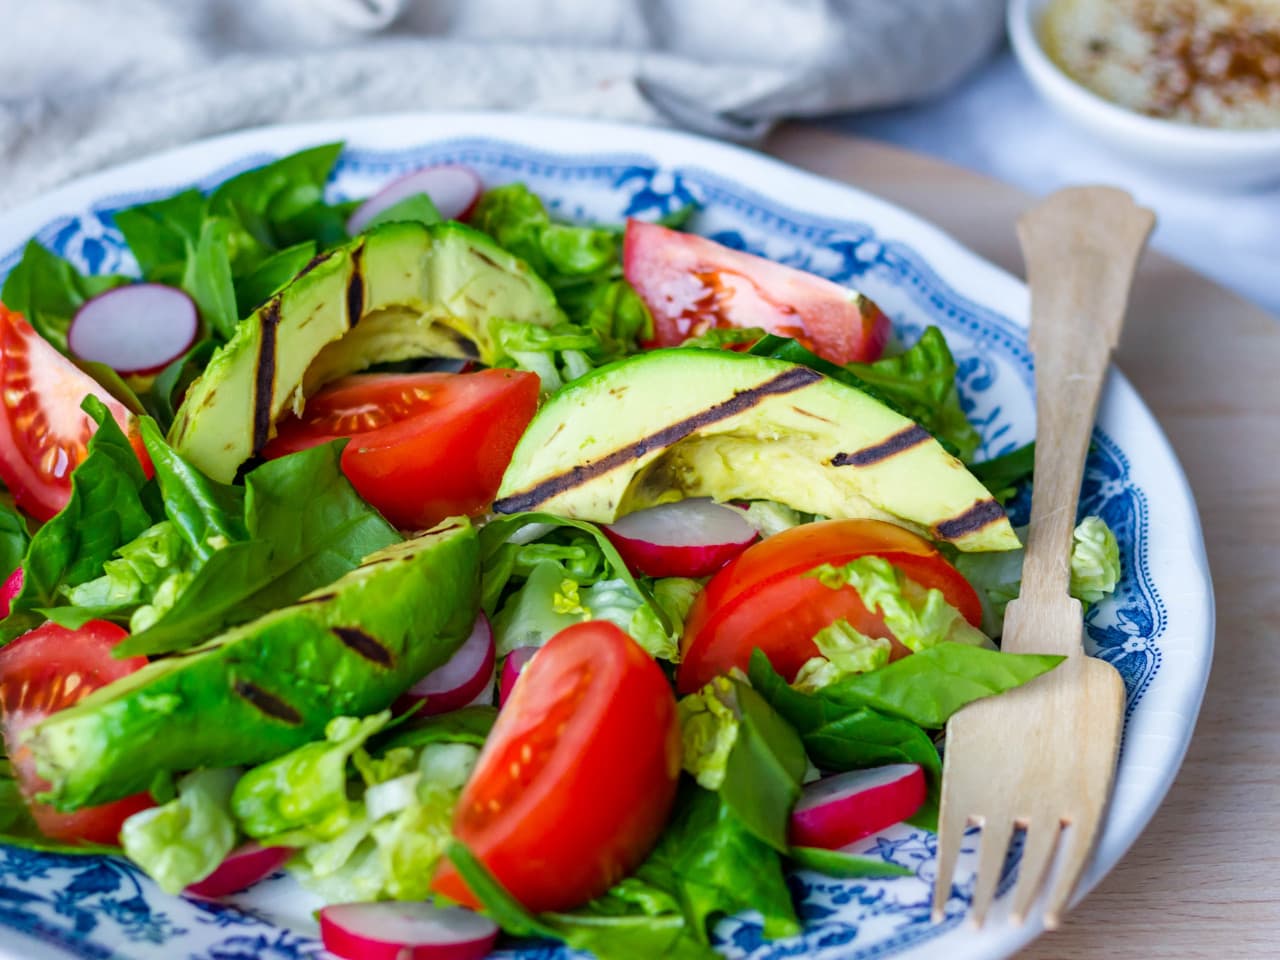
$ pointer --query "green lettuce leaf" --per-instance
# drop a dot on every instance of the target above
(922, 382)
(146, 577)
(417, 207)
(183, 841)
(843, 650)
(47, 290)
(919, 383)
(106, 510)
(302, 797)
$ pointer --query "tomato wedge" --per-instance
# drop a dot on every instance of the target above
(424, 446)
(691, 284)
(578, 776)
(43, 432)
(763, 598)
(47, 670)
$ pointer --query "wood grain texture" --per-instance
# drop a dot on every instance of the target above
(1204, 879)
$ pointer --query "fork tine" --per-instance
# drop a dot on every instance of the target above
(1077, 842)
(1037, 853)
(951, 824)
(996, 831)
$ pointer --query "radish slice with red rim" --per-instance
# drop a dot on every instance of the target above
(138, 328)
(408, 930)
(838, 810)
(12, 587)
(461, 679)
(453, 188)
(515, 662)
(688, 538)
(242, 868)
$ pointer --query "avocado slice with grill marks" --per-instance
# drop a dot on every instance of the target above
(267, 686)
(678, 423)
(401, 291)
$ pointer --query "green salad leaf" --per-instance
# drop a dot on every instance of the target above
(14, 538)
(183, 841)
(256, 287)
(105, 511)
(1003, 475)
(837, 863)
(169, 386)
(1095, 560)
(418, 207)
(47, 290)
(303, 526)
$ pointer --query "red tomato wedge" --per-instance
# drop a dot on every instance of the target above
(691, 284)
(43, 432)
(47, 670)
(424, 446)
(578, 776)
(763, 598)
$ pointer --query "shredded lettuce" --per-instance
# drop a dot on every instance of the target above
(708, 732)
(183, 841)
(674, 597)
(918, 618)
(769, 518)
(844, 650)
(1095, 560)
(146, 577)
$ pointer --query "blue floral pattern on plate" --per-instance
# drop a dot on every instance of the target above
(97, 907)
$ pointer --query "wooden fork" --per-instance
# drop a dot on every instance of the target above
(1042, 757)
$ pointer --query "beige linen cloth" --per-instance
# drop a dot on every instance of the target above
(88, 83)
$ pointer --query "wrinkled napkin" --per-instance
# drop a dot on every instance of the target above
(88, 83)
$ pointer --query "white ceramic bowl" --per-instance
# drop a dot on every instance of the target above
(1203, 155)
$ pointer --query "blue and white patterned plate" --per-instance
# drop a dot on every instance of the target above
(1158, 629)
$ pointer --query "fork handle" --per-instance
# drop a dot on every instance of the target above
(1081, 246)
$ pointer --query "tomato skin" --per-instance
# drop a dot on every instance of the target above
(578, 776)
(691, 284)
(43, 431)
(764, 599)
(423, 446)
(35, 674)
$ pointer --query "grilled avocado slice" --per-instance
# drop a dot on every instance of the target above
(403, 290)
(272, 684)
(678, 423)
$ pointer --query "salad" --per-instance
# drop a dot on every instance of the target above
(489, 573)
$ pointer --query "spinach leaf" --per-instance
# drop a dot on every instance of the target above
(14, 538)
(838, 736)
(1003, 475)
(927, 687)
(209, 514)
(106, 509)
(279, 205)
(163, 235)
(416, 207)
(48, 290)
(836, 863)
(305, 527)
(256, 287)
(208, 278)
(166, 392)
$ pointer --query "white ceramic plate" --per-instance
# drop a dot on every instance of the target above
(1157, 630)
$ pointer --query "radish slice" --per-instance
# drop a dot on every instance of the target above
(835, 811)
(138, 328)
(243, 867)
(688, 538)
(515, 662)
(405, 931)
(12, 587)
(454, 190)
(462, 679)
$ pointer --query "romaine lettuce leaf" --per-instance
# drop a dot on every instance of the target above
(843, 650)
(183, 841)
(1095, 560)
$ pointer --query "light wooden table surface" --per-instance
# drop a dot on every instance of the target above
(1204, 879)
